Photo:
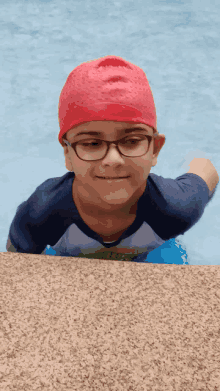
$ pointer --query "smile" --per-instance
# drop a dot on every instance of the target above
(110, 179)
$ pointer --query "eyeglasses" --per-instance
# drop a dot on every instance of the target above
(96, 149)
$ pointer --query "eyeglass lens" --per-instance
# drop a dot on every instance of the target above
(95, 149)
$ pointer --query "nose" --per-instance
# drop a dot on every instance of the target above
(113, 155)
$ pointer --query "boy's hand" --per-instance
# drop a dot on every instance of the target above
(198, 162)
(192, 155)
(205, 169)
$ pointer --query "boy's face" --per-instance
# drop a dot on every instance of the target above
(111, 195)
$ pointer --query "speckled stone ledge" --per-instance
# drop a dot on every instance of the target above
(83, 324)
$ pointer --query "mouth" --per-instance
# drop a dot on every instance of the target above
(113, 178)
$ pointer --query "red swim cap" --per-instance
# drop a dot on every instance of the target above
(107, 89)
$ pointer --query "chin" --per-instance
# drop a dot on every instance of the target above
(116, 197)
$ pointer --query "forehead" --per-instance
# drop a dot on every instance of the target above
(105, 127)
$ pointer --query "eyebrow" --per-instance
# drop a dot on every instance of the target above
(127, 130)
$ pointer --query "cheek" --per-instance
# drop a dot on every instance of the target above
(139, 168)
(81, 168)
(142, 167)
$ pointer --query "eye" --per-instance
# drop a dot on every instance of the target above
(91, 143)
(134, 139)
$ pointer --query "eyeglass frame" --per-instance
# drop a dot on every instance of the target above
(115, 142)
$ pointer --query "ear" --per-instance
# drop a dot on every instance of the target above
(68, 162)
(159, 142)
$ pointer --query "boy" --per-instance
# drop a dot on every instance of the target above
(109, 199)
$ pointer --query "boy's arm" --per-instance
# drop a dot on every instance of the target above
(10, 247)
(205, 169)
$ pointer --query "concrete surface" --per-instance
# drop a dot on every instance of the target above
(83, 324)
